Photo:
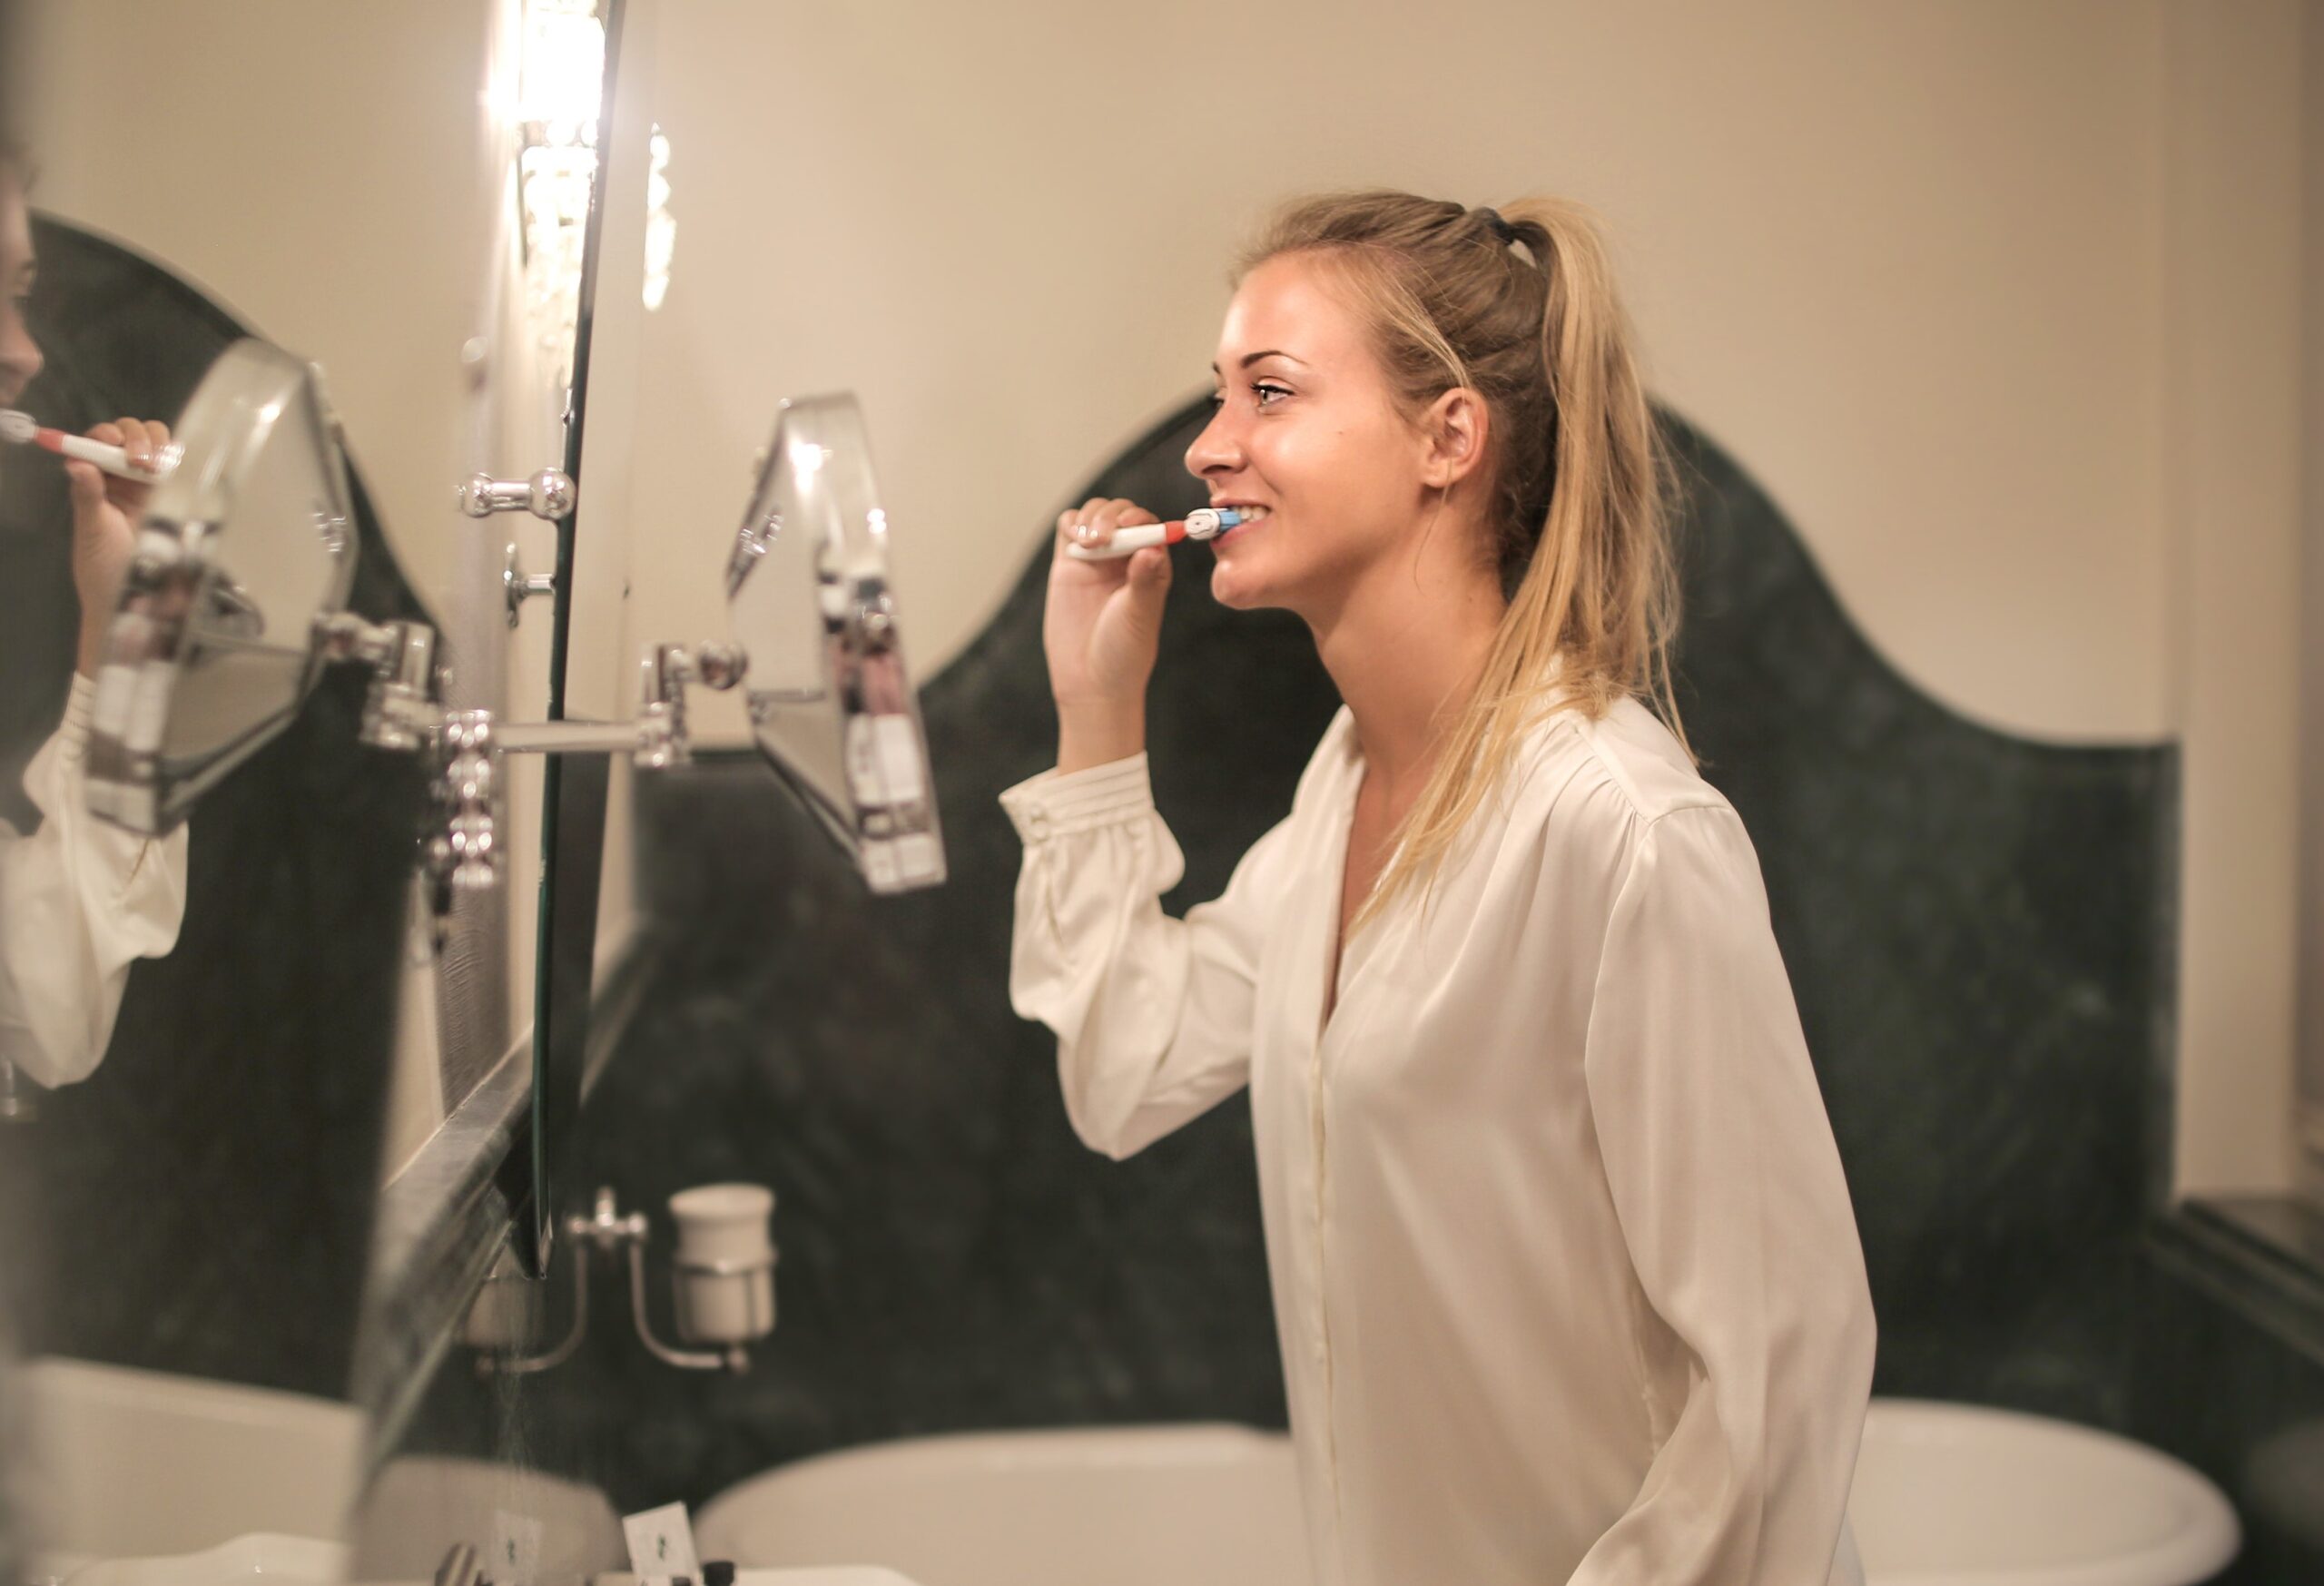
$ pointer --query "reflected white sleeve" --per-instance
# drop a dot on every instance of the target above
(1153, 1015)
(80, 901)
(1737, 1218)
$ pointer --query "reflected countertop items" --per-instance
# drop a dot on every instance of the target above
(80, 901)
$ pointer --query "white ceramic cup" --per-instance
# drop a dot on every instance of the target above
(723, 1271)
(723, 1222)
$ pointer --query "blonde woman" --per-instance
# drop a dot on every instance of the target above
(1566, 1278)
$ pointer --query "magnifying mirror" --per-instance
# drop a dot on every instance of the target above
(830, 701)
(243, 545)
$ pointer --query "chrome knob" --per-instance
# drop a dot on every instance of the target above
(550, 494)
(517, 586)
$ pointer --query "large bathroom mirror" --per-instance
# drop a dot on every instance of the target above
(298, 1041)
(201, 1034)
(245, 543)
(830, 699)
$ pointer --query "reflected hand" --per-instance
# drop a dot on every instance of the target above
(104, 518)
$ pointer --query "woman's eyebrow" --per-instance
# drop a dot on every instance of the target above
(1251, 358)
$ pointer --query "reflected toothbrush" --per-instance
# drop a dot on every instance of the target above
(21, 429)
(1203, 523)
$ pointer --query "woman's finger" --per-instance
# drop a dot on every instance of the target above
(87, 484)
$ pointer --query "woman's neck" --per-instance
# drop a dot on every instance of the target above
(1404, 648)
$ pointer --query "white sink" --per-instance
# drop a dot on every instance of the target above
(1960, 1496)
(1945, 1495)
(258, 1560)
(138, 1465)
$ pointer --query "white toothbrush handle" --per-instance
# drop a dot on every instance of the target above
(113, 460)
(1124, 542)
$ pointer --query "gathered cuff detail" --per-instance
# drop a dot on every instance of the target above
(1050, 805)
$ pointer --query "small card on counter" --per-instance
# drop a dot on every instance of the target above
(661, 1544)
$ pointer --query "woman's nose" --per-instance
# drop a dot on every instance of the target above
(20, 357)
(1217, 449)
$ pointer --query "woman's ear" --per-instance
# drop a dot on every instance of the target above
(1453, 433)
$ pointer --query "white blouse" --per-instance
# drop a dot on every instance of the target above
(1566, 1278)
(80, 901)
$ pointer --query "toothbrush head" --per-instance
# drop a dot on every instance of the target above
(1208, 522)
(17, 429)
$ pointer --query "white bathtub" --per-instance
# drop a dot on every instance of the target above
(1946, 1495)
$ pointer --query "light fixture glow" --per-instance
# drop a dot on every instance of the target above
(560, 89)
(661, 227)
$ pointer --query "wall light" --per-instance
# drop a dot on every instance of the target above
(660, 228)
(560, 90)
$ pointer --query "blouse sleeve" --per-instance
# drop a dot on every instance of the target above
(1732, 1200)
(80, 901)
(1153, 1015)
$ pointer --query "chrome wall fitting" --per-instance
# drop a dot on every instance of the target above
(662, 741)
(16, 1103)
(403, 710)
(517, 586)
(550, 494)
(464, 851)
(608, 1231)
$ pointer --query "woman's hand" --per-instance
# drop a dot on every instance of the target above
(104, 517)
(1102, 629)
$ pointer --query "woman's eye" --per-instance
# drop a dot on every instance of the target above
(1219, 398)
(1263, 391)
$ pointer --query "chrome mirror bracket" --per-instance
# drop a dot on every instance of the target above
(517, 586)
(550, 494)
(405, 711)
(405, 707)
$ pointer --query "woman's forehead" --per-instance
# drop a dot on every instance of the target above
(1291, 304)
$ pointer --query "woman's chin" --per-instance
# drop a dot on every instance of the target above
(1232, 587)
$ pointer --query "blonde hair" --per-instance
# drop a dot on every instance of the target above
(1578, 472)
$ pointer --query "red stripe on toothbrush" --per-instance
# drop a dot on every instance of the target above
(49, 441)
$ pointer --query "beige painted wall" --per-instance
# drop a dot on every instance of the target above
(1905, 260)
(1995, 299)
(1990, 296)
(318, 169)
(2309, 963)
(2233, 303)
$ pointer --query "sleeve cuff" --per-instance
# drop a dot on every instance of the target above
(1050, 805)
(72, 733)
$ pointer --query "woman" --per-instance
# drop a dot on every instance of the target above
(1566, 1278)
(80, 900)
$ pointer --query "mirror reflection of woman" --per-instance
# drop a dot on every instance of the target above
(80, 900)
(1567, 1282)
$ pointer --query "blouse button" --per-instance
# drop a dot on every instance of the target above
(1037, 822)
